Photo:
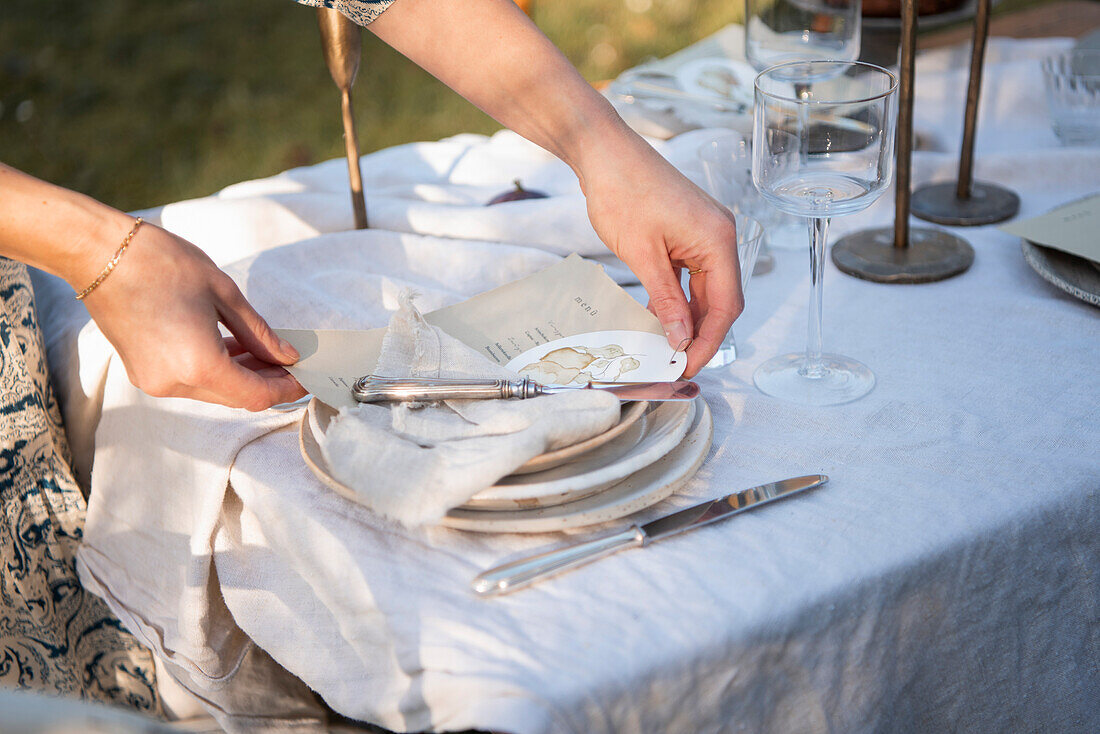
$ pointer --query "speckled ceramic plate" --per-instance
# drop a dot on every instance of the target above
(629, 415)
(636, 492)
(657, 433)
(319, 414)
(1075, 275)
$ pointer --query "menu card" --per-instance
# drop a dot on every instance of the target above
(567, 324)
(1071, 228)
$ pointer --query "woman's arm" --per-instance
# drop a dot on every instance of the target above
(161, 305)
(642, 208)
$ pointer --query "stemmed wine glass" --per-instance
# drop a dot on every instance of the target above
(778, 31)
(823, 146)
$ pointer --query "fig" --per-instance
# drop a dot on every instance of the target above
(517, 194)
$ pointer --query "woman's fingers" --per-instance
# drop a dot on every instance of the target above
(716, 301)
(666, 297)
(249, 328)
(232, 346)
(247, 383)
(658, 223)
(717, 295)
(250, 349)
(169, 291)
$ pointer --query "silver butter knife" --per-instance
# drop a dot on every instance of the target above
(516, 575)
(375, 389)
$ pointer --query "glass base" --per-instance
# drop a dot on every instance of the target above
(726, 354)
(765, 262)
(838, 379)
(788, 235)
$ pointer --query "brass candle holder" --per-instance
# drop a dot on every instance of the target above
(342, 44)
(903, 254)
(968, 203)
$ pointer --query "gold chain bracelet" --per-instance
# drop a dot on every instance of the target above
(113, 261)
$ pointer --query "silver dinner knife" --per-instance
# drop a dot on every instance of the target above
(517, 574)
(375, 389)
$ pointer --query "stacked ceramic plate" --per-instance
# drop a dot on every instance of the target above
(652, 450)
(1075, 275)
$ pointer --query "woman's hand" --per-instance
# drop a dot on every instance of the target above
(643, 209)
(161, 307)
(658, 222)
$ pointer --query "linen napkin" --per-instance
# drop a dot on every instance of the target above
(411, 462)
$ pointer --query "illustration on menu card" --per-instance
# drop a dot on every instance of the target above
(601, 356)
(581, 365)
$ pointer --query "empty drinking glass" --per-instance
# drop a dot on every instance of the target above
(727, 171)
(1073, 95)
(823, 146)
(778, 31)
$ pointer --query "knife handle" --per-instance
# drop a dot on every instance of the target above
(517, 574)
(375, 389)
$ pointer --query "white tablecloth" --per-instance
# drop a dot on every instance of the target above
(944, 580)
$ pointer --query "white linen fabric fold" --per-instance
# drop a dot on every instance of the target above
(439, 188)
(171, 600)
(945, 571)
(413, 462)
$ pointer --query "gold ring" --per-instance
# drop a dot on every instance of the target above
(696, 271)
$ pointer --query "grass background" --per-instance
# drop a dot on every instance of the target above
(140, 103)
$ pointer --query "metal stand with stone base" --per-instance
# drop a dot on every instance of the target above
(968, 203)
(901, 254)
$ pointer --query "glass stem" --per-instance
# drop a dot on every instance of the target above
(814, 367)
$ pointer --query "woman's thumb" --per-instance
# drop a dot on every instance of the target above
(668, 302)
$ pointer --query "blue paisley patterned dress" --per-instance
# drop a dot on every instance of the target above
(361, 11)
(54, 636)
